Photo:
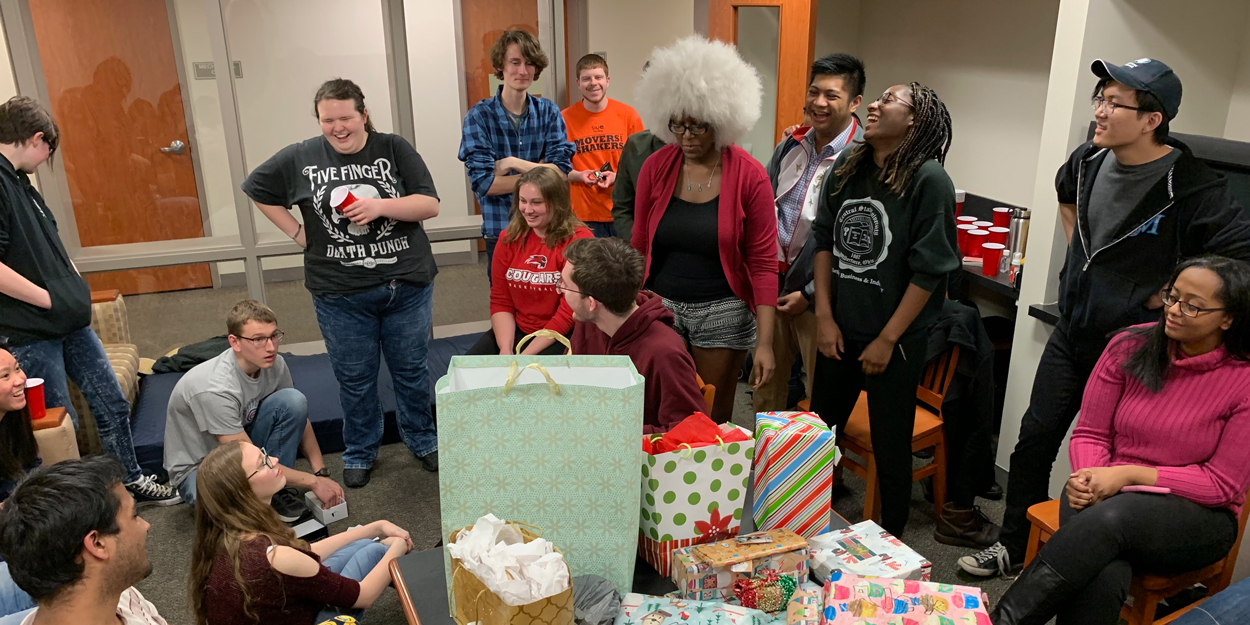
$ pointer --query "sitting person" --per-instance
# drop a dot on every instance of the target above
(19, 455)
(247, 567)
(601, 281)
(75, 542)
(526, 265)
(245, 394)
(1160, 455)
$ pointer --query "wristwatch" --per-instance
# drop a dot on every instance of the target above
(324, 472)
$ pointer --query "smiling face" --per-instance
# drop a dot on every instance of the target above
(533, 207)
(828, 104)
(1124, 126)
(265, 480)
(518, 73)
(12, 383)
(342, 125)
(889, 117)
(593, 84)
(1200, 287)
(261, 356)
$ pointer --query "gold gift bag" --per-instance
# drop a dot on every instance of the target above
(473, 602)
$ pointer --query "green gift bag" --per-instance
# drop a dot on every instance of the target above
(549, 440)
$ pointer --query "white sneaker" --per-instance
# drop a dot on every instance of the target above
(147, 492)
(989, 562)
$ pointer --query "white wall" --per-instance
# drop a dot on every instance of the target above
(628, 31)
(1238, 124)
(837, 27)
(759, 36)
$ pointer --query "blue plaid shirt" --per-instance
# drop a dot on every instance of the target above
(489, 136)
(791, 204)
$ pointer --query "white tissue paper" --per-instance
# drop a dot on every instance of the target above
(518, 572)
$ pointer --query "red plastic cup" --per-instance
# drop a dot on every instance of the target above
(976, 239)
(34, 398)
(959, 201)
(963, 230)
(999, 235)
(984, 225)
(1002, 216)
(991, 255)
(341, 198)
(966, 219)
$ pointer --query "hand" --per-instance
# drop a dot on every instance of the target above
(877, 356)
(364, 210)
(505, 165)
(586, 177)
(829, 338)
(1156, 301)
(762, 366)
(792, 304)
(45, 300)
(386, 529)
(606, 179)
(328, 492)
(1079, 494)
(790, 130)
(399, 545)
(1104, 482)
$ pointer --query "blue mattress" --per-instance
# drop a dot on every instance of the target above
(313, 376)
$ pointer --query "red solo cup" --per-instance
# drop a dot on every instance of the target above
(959, 201)
(34, 398)
(341, 198)
(1002, 216)
(963, 230)
(984, 225)
(966, 219)
(999, 235)
(977, 238)
(991, 255)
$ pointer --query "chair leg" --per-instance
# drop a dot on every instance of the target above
(1142, 612)
(1035, 544)
(872, 492)
(939, 478)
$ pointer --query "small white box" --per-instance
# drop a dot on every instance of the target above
(328, 515)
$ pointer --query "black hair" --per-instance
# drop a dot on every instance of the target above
(1150, 362)
(929, 137)
(44, 521)
(22, 117)
(18, 449)
(342, 89)
(849, 67)
(1147, 103)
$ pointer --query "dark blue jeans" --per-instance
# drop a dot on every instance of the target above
(602, 229)
(391, 320)
(80, 357)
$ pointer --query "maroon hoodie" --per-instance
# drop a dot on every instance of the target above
(659, 354)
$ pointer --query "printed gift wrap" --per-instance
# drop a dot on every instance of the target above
(866, 550)
(854, 600)
(711, 578)
(806, 606)
(639, 609)
(795, 454)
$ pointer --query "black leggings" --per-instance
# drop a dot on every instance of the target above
(1098, 549)
(486, 346)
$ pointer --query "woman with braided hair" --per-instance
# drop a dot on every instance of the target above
(885, 242)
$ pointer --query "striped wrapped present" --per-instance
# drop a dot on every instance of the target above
(795, 453)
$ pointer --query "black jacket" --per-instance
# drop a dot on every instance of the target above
(1188, 213)
(30, 246)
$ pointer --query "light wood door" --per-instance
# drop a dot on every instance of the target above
(113, 88)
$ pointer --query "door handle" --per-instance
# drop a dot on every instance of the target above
(176, 147)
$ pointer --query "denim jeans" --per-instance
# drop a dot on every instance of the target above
(602, 229)
(277, 428)
(354, 561)
(13, 600)
(80, 357)
(1230, 607)
(392, 320)
(491, 242)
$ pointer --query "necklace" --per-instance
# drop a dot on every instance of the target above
(690, 185)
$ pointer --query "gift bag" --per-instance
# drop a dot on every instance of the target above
(795, 453)
(690, 497)
(552, 440)
(472, 602)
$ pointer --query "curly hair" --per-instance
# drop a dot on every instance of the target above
(928, 138)
(706, 80)
(531, 51)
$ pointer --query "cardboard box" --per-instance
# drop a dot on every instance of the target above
(328, 515)
(700, 578)
(866, 550)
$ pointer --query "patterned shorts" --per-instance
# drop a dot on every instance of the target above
(725, 323)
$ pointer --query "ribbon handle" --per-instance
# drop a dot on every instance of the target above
(547, 334)
(514, 372)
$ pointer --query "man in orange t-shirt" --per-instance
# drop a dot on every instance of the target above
(599, 127)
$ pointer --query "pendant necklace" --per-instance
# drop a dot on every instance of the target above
(690, 186)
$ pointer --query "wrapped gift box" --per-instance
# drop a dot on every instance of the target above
(795, 453)
(637, 609)
(854, 600)
(707, 572)
(866, 550)
(806, 606)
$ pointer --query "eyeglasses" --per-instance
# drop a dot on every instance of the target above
(264, 463)
(560, 287)
(1099, 102)
(1187, 309)
(888, 97)
(259, 341)
(695, 129)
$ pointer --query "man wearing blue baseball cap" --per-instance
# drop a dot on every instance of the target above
(1134, 203)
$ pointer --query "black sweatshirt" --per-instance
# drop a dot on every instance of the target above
(883, 242)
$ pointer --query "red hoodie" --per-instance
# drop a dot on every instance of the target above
(659, 354)
(523, 282)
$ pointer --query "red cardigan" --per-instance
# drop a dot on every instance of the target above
(747, 228)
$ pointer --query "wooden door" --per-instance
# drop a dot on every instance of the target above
(113, 88)
(795, 54)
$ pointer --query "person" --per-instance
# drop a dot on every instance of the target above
(601, 282)
(889, 219)
(247, 567)
(1134, 202)
(638, 148)
(245, 393)
(704, 217)
(1160, 455)
(598, 126)
(367, 263)
(511, 133)
(1231, 605)
(74, 540)
(19, 455)
(45, 304)
(523, 296)
(797, 171)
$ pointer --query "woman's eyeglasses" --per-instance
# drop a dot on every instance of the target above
(888, 97)
(264, 463)
(695, 129)
(1187, 309)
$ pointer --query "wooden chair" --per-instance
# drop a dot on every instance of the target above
(708, 390)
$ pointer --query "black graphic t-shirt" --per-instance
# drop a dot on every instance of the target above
(882, 243)
(342, 257)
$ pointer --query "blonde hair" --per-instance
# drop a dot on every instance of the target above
(555, 191)
(245, 311)
(706, 80)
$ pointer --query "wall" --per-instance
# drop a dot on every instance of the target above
(1238, 124)
(628, 31)
(837, 27)
(759, 30)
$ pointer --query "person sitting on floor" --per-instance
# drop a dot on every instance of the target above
(19, 455)
(1160, 455)
(76, 543)
(247, 567)
(245, 394)
(601, 281)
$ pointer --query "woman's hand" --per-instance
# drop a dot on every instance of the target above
(400, 546)
(386, 529)
(876, 357)
(763, 365)
(1104, 482)
(829, 338)
(365, 210)
(1079, 494)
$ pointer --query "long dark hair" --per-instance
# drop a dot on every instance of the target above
(342, 89)
(18, 450)
(1150, 362)
(928, 138)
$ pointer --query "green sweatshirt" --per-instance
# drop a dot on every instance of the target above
(884, 242)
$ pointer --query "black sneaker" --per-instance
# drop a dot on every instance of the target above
(429, 462)
(148, 492)
(355, 478)
(990, 562)
(289, 506)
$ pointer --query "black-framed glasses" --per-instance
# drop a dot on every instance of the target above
(259, 341)
(695, 129)
(889, 97)
(1099, 102)
(1187, 309)
(560, 286)
(264, 463)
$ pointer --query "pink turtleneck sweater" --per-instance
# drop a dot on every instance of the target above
(1195, 431)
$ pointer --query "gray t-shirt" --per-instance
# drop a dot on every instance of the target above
(517, 118)
(214, 399)
(1118, 189)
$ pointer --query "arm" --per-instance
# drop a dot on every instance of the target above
(503, 326)
(1223, 478)
(1217, 226)
(1067, 213)
(502, 307)
(377, 529)
(477, 152)
(643, 205)
(503, 185)
(623, 194)
(406, 208)
(558, 151)
(1093, 439)
(678, 389)
(312, 451)
(285, 221)
(16, 285)
(760, 239)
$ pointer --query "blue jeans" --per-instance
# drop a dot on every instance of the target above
(14, 602)
(1230, 607)
(392, 320)
(80, 357)
(491, 242)
(277, 428)
(354, 561)
(602, 229)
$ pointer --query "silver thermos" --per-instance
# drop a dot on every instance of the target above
(1017, 238)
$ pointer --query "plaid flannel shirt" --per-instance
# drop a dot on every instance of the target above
(488, 136)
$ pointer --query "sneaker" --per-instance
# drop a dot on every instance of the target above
(288, 505)
(429, 462)
(989, 562)
(148, 492)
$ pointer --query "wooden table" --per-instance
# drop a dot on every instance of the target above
(52, 418)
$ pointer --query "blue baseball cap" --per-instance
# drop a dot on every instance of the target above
(1147, 75)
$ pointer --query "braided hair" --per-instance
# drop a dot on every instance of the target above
(928, 137)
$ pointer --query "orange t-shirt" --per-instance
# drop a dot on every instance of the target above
(599, 138)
